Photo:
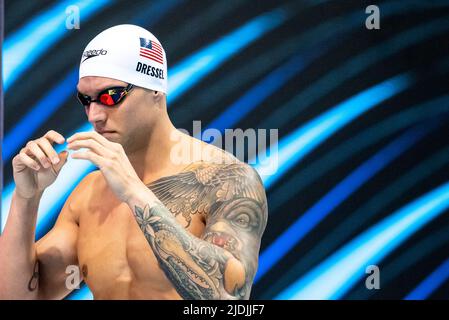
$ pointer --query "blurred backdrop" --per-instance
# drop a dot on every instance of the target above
(362, 116)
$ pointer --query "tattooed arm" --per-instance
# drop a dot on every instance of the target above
(221, 264)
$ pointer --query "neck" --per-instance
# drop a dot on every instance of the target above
(153, 159)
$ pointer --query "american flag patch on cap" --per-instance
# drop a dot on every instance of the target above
(151, 50)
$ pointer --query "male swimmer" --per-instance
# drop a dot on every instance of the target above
(150, 223)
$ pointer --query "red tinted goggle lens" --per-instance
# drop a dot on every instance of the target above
(108, 97)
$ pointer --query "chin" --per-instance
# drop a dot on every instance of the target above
(113, 138)
(110, 138)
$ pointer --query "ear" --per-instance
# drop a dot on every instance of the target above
(158, 97)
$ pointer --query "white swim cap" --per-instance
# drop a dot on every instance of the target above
(127, 53)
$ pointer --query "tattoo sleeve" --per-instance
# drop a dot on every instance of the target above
(222, 263)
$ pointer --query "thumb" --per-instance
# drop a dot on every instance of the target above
(63, 159)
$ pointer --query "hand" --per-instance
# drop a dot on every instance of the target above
(110, 158)
(38, 164)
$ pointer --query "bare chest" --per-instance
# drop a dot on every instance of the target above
(115, 258)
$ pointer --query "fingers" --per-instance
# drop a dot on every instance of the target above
(23, 159)
(91, 144)
(63, 156)
(35, 151)
(90, 135)
(54, 136)
(89, 155)
(41, 151)
(47, 148)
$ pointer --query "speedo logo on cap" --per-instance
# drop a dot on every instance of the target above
(93, 53)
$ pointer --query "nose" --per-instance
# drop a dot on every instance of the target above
(96, 112)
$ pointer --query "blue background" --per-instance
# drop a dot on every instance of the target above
(362, 118)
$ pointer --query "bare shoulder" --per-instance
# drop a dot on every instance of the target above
(79, 197)
(89, 182)
(204, 186)
(232, 175)
(229, 179)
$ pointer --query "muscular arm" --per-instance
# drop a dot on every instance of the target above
(30, 270)
(55, 252)
(17, 250)
(36, 270)
(222, 263)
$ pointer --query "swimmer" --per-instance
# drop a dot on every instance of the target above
(149, 223)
